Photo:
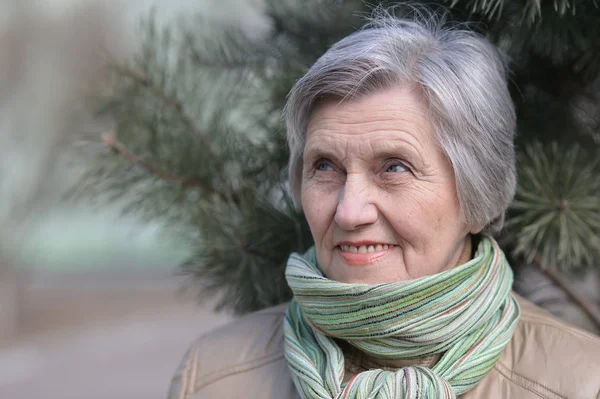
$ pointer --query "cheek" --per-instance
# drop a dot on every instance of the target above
(314, 204)
(443, 211)
(409, 218)
(320, 205)
(420, 212)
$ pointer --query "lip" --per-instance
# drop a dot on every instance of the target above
(356, 259)
(359, 243)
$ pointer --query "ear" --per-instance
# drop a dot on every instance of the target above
(476, 229)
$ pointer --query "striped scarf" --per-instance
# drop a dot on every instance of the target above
(467, 314)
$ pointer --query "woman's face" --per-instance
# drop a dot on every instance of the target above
(378, 192)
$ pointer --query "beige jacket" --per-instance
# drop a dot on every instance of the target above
(545, 359)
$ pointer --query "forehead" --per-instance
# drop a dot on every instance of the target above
(400, 110)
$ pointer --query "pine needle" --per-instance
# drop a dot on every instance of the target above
(556, 209)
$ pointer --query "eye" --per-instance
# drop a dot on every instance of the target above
(396, 168)
(323, 166)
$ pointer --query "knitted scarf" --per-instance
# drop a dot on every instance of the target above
(467, 314)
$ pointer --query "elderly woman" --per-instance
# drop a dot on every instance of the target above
(402, 158)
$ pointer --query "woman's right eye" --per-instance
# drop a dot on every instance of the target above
(324, 166)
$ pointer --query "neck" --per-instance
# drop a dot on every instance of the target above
(467, 252)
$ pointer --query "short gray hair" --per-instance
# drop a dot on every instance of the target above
(464, 81)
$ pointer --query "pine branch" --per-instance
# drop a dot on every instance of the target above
(231, 50)
(171, 100)
(242, 255)
(529, 13)
(246, 231)
(556, 210)
(491, 9)
(110, 140)
(246, 248)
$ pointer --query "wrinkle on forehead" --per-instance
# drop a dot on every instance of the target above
(371, 126)
(354, 120)
(409, 105)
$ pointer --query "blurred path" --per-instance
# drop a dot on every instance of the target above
(115, 340)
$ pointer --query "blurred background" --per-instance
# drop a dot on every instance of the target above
(89, 300)
(142, 155)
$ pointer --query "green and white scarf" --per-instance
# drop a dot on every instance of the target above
(467, 314)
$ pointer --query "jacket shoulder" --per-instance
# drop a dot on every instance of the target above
(550, 357)
(249, 348)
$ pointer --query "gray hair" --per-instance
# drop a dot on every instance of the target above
(464, 82)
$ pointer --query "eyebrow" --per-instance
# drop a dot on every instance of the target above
(316, 152)
(392, 149)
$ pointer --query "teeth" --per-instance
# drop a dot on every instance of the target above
(364, 249)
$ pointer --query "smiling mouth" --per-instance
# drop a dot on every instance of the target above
(365, 249)
(364, 254)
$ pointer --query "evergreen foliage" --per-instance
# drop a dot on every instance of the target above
(199, 138)
(555, 211)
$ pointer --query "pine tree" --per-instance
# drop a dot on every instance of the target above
(199, 138)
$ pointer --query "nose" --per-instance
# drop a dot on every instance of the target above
(355, 209)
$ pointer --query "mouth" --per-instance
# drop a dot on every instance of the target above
(365, 254)
(365, 249)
